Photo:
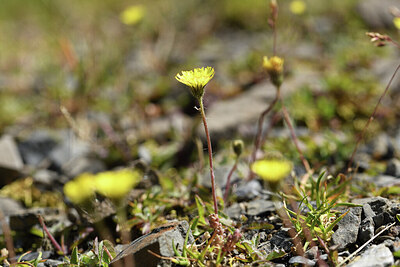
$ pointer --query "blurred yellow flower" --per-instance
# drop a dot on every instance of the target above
(396, 22)
(272, 170)
(81, 188)
(297, 7)
(274, 68)
(196, 79)
(133, 14)
(116, 184)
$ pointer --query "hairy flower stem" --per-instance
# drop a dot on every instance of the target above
(257, 140)
(361, 136)
(228, 180)
(203, 116)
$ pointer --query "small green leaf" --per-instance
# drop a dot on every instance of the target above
(275, 255)
(74, 256)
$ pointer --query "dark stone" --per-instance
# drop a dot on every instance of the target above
(282, 240)
(367, 230)
(393, 168)
(37, 147)
(378, 204)
(383, 218)
(375, 256)
(347, 231)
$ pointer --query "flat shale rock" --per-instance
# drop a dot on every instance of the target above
(375, 256)
(347, 231)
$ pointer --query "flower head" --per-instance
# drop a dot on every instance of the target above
(81, 188)
(272, 170)
(116, 184)
(196, 79)
(274, 68)
(297, 7)
(133, 14)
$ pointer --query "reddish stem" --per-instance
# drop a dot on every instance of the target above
(361, 136)
(294, 138)
(52, 239)
(257, 140)
(228, 180)
(203, 116)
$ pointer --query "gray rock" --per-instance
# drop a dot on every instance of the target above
(83, 164)
(248, 190)
(367, 230)
(11, 164)
(381, 147)
(220, 173)
(393, 168)
(375, 256)
(347, 231)
(37, 147)
(10, 206)
(259, 206)
(361, 161)
(376, 14)
(385, 180)
(301, 260)
(50, 263)
(377, 204)
(159, 241)
(252, 208)
(48, 178)
(10, 157)
(367, 211)
(68, 149)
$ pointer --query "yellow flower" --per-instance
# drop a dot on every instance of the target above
(272, 170)
(133, 14)
(297, 7)
(81, 188)
(274, 68)
(116, 184)
(196, 79)
(396, 22)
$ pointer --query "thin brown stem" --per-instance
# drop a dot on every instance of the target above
(257, 140)
(228, 180)
(210, 159)
(361, 136)
(295, 139)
